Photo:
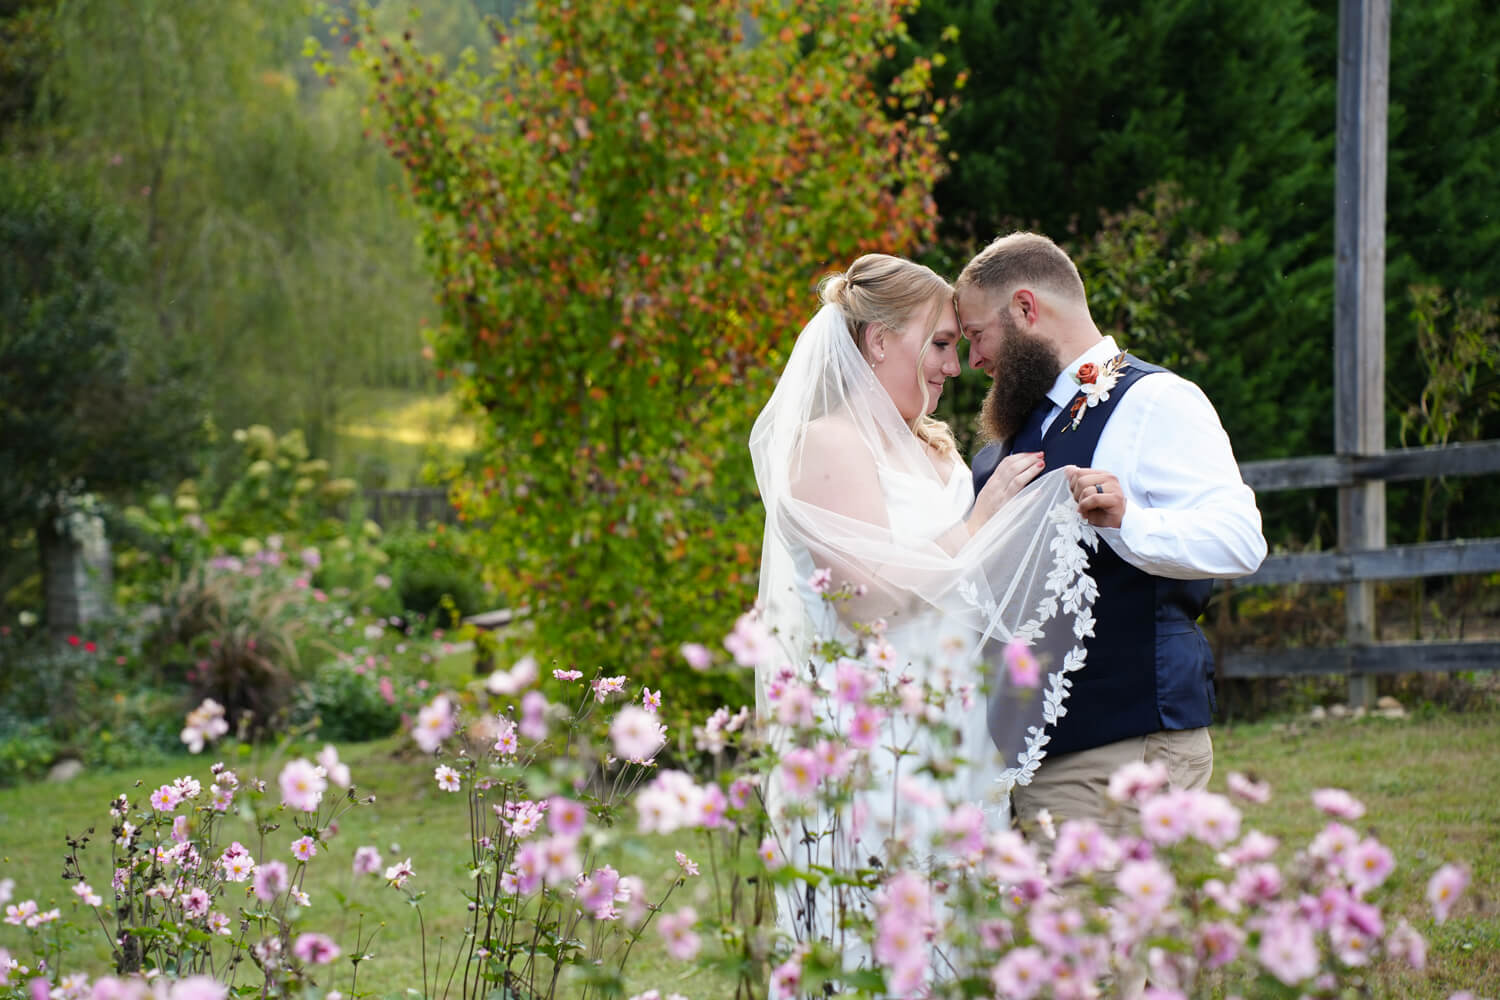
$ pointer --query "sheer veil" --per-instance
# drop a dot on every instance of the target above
(1022, 575)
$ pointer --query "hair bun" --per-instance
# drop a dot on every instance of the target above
(833, 288)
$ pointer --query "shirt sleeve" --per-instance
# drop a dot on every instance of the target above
(1188, 513)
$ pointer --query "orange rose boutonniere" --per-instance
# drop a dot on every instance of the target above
(1094, 385)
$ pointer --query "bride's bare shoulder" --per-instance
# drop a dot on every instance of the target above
(835, 433)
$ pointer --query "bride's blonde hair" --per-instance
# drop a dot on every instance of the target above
(879, 288)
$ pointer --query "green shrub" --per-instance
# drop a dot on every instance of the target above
(344, 703)
(26, 749)
(430, 564)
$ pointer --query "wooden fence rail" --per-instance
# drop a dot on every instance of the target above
(1364, 566)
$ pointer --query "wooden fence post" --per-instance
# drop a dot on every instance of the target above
(1359, 299)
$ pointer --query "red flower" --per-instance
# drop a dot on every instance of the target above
(1087, 373)
(73, 640)
(90, 647)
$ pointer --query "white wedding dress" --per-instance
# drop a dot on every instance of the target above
(949, 598)
(895, 812)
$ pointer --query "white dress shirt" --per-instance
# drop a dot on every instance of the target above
(1188, 513)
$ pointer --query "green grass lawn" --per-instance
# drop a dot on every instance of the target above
(1430, 784)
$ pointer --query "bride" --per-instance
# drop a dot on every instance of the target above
(882, 570)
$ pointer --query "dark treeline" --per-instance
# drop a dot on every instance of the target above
(1071, 111)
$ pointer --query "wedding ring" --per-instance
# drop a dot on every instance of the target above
(1099, 488)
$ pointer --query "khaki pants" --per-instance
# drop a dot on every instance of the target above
(1076, 785)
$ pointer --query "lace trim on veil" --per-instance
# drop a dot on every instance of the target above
(1070, 587)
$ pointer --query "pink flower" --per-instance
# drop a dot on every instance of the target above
(567, 675)
(1219, 943)
(606, 686)
(515, 680)
(1444, 889)
(505, 737)
(677, 930)
(1405, 945)
(1212, 818)
(270, 881)
(740, 790)
(1021, 974)
(697, 655)
(197, 988)
(165, 799)
(1147, 884)
(1164, 819)
(1339, 803)
(1009, 859)
(1255, 846)
(560, 859)
(865, 727)
(534, 715)
(883, 655)
(821, 580)
(1258, 883)
(302, 785)
(801, 771)
(1021, 665)
(1249, 789)
(1333, 844)
(335, 770)
(637, 734)
(786, 978)
(750, 642)
(650, 701)
(237, 863)
(436, 721)
(304, 848)
(596, 893)
(852, 683)
(398, 873)
(1288, 951)
(1082, 848)
(316, 949)
(687, 864)
(796, 707)
(1368, 865)
(195, 902)
(566, 817)
(770, 854)
(87, 895)
(366, 860)
(1135, 781)
(447, 778)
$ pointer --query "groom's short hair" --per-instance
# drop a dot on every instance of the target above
(1023, 259)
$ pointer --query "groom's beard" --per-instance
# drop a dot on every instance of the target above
(1025, 368)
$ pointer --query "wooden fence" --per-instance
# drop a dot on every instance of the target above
(388, 508)
(1353, 566)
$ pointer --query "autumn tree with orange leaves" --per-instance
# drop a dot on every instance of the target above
(628, 205)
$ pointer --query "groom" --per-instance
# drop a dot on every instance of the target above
(1151, 467)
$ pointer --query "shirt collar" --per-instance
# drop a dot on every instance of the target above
(1066, 387)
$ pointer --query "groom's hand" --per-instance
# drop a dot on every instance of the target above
(1101, 501)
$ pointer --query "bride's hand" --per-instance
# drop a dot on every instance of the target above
(1008, 479)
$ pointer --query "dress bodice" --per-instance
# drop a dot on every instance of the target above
(920, 508)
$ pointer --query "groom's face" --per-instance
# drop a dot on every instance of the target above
(1022, 364)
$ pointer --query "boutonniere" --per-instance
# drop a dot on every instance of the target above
(1094, 384)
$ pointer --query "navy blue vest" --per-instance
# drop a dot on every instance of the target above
(1149, 667)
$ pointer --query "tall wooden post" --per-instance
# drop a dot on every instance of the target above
(1359, 294)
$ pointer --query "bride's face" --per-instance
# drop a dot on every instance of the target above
(914, 368)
